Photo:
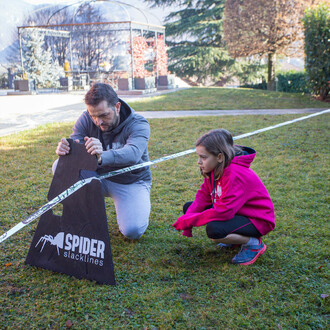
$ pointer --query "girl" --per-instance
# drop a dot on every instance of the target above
(232, 202)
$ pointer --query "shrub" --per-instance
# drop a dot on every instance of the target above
(317, 35)
(262, 85)
(292, 82)
(3, 81)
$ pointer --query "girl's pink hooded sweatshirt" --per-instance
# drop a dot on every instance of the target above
(239, 191)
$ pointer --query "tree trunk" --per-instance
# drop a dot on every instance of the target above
(271, 85)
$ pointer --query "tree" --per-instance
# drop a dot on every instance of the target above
(194, 36)
(317, 49)
(140, 46)
(90, 42)
(90, 45)
(44, 15)
(38, 62)
(162, 58)
(264, 27)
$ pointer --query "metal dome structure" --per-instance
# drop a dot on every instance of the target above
(101, 40)
(112, 11)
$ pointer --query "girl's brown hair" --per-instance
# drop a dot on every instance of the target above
(219, 141)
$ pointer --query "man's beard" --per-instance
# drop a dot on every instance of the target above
(113, 125)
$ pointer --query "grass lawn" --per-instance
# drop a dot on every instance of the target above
(165, 280)
(199, 98)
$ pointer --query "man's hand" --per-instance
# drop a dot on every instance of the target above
(63, 147)
(93, 146)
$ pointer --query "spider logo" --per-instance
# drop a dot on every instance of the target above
(58, 240)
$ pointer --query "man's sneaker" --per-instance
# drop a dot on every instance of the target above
(249, 254)
(228, 246)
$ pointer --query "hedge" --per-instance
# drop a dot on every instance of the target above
(317, 50)
(290, 82)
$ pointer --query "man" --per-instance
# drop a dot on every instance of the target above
(118, 137)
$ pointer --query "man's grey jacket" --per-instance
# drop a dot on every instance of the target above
(124, 146)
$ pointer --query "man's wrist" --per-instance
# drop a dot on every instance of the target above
(99, 159)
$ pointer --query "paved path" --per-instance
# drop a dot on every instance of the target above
(193, 113)
(21, 112)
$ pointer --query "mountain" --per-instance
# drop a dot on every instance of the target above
(11, 16)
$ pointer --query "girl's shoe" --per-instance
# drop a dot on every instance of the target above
(249, 254)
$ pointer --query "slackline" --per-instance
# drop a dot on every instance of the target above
(83, 182)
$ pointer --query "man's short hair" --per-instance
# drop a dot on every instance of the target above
(101, 92)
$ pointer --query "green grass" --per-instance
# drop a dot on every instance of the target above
(216, 98)
(165, 280)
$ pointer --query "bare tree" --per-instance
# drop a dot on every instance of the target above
(89, 43)
(86, 38)
(265, 27)
(52, 15)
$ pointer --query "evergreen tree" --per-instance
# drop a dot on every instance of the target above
(38, 62)
(197, 49)
(194, 36)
